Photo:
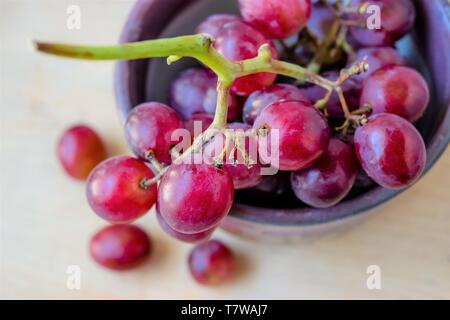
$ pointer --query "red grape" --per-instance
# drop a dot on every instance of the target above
(260, 99)
(114, 189)
(279, 18)
(194, 91)
(215, 22)
(328, 180)
(190, 238)
(398, 90)
(377, 58)
(203, 119)
(390, 150)
(351, 89)
(211, 263)
(149, 128)
(303, 133)
(120, 247)
(194, 198)
(79, 150)
(397, 19)
(238, 41)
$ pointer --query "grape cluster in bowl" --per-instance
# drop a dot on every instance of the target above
(348, 116)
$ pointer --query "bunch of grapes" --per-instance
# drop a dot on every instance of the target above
(327, 140)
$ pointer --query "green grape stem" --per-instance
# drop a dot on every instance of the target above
(200, 47)
(197, 46)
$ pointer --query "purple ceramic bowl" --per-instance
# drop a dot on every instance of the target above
(145, 80)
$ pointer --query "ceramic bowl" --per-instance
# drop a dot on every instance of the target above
(145, 80)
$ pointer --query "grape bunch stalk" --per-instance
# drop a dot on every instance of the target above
(350, 103)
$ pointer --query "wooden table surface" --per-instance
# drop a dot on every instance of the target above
(46, 222)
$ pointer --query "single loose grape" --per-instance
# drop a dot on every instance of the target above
(211, 263)
(120, 247)
(79, 150)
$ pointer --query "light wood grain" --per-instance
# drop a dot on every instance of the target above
(46, 222)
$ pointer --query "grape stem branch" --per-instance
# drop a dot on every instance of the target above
(197, 46)
(200, 47)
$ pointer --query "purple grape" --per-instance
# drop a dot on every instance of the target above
(194, 91)
(397, 19)
(321, 21)
(330, 179)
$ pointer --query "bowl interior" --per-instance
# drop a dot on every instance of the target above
(287, 209)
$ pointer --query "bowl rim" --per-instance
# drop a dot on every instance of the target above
(295, 216)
